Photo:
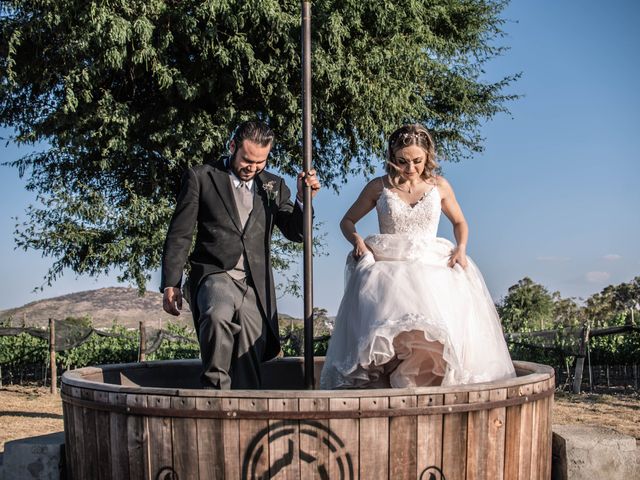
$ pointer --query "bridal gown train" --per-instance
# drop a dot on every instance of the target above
(406, 318)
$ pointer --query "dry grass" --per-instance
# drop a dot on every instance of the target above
(619, 412)
(30, 411)
(27, 412)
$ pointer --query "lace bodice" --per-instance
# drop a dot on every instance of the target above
(397, 216)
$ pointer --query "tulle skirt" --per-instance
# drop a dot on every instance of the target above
(407, 319)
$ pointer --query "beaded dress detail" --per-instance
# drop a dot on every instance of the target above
(407, 319)
(396, 216)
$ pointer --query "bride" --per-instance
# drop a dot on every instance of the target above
(415, 311)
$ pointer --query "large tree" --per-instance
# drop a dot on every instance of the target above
(126, 94)
(615, 304)
(528, 306)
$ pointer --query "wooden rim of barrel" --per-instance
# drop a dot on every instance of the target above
(519, 388)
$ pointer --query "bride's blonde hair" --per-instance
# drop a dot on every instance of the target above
(406, 135)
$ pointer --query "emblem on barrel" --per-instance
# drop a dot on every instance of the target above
(338, 465)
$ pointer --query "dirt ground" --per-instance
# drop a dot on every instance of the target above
(619, 412)
(31, 411)
(27, 412)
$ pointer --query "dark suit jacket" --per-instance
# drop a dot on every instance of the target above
(206, 201)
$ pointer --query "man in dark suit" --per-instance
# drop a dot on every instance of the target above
(234, 203)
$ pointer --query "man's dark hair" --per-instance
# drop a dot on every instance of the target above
(254, 131)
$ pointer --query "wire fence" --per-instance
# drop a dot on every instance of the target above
(42, 354)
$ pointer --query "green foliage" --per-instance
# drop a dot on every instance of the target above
(615, 349)
(567, 313)
(528, 306)
(99, 350)
(285, 255)
(615, 304)
(23, 349)
(79, 322)
(293, 335)
(121, 97)
(172, 349)
(293, 341)
(530, 353)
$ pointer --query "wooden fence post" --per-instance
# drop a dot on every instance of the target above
(143, 342)
(577, 378)
(52, 356)
(590, 371)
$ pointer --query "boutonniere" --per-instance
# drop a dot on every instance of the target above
(268, 188)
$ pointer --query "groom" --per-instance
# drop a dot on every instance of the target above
(234, 203)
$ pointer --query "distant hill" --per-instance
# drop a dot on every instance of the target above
(104, 306)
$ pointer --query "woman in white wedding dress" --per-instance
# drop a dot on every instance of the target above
(415, 311)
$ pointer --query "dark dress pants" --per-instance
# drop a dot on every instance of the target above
(231, 331)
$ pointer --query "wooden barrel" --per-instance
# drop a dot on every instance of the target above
(150, 421)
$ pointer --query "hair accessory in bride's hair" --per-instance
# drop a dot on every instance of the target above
(406, 138)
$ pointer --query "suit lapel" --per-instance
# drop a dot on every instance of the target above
(222, 182)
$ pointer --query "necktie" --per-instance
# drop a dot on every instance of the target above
(246, 200)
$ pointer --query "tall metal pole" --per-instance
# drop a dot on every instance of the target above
(309, 380)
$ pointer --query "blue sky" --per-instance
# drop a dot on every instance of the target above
(554, 196)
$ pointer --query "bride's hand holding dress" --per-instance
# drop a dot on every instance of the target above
(458, 256)
(360, 248)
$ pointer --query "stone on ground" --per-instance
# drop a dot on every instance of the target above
(586, 451)
(33, 458)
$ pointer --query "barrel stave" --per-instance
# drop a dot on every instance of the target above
(454, 438)
(184, 439)
(313, 440)
(403, 432)
(347, 433)
(118, 438)
(429, 441)
(374, 449)
(496, 436)
(159, 446)
(478, 438)
(250, 433)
